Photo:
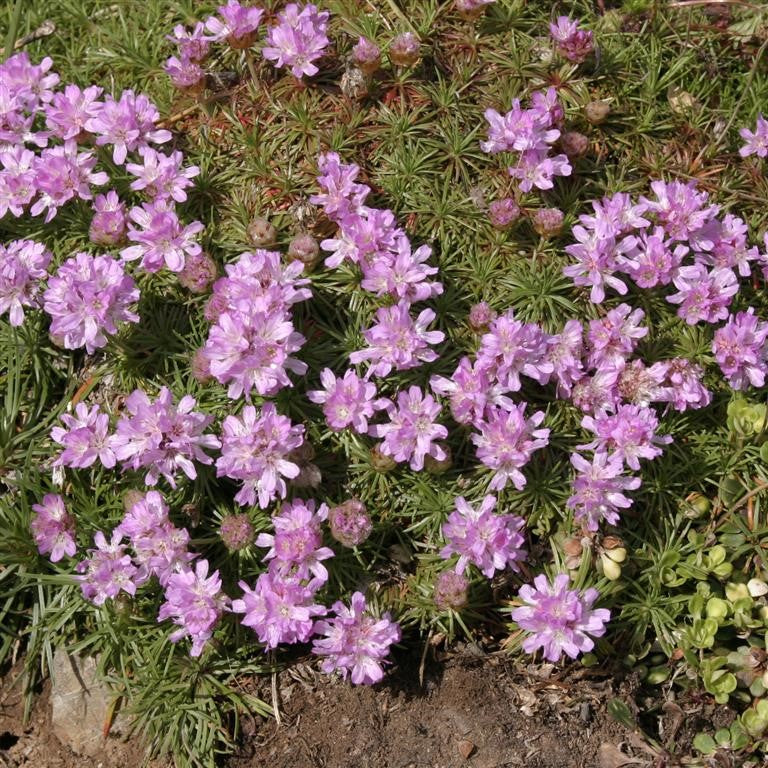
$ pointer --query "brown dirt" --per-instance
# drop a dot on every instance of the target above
(470, 711)
(34, 746)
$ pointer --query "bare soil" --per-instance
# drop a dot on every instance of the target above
(469, 711)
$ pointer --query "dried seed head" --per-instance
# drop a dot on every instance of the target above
(354, 84)
(130, 497)
(503, 212)
(199, 273)
(574, 144)
(480, 317)
(200, 368)
(350, 523)
(236, 531)
(439, 466)
(380, 461)
(261, 233)
(404, 49)
(450, 591)
(596, 112)
(304, 248)
(548, 221)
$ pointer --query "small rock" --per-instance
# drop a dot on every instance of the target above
(466, 748)
(80, 703)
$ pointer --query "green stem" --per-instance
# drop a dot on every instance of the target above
(13, 29)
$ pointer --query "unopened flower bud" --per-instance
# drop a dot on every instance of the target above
(304, 248)
(131, 497)
(108, 225)
(611, 569)
(435, 466)
(480, 317)
(573, 548)
(450, 591)
(548, 221)
(380, 461)
(574, 144)
(504, 212)
(696, 505)
(470, 9)
(349, 522)
(198, 273)
(236, 531)
(261, 233)
(354, 84)
(200, 367)
(366, 55)
(596, 112)
(404, 49)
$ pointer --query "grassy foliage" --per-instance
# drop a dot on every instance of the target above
(680, 82)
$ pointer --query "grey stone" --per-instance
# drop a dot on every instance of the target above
(80, 703)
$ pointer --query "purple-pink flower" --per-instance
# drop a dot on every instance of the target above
(160, 547)
(278, 609)
(355, 642)
(126, 124)
(255, 448)
(629, 434)
(397, 341)
(108, 225)
(161, 240)
(85, 438)
(87, 299)
(161, 176)
(295, 548)
(162, 437)
(703, 295)
(573, 43)
(107, 570)
(506, 441)
(347, 402)
(757, 141)
(598, 489)
(559, 620)
(53, 528)
(411, 433)
(194, 602)
(741, 350)
(298, 39)
(23, 265)
(237, 25)
(483, 538)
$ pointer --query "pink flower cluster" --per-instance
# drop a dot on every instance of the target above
(256, 448)
(558, 619)
(572, 42)
(53, 528)
(87, 298)
(295, 41)
(530, 133)
(355, 642)
(280, 608)
(162, 437)
(649, 242)
(483, 538)
(157, 435)
(41, 184)
(23, 265)
(194, 600)
(371, 239)
(252, 338)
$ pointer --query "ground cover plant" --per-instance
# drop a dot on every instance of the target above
(345, 329)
